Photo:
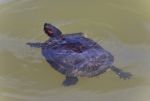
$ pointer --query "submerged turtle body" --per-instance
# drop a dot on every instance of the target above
(75, 55)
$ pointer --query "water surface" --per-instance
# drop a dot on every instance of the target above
(121, 27)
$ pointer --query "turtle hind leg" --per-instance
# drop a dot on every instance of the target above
(120, 73)
(70, 81)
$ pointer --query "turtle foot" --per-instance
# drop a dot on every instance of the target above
(124, 75)
(35, 45)
(121, 73)
(70, 81)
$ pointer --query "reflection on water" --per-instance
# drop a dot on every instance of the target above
(122, 27)
(4, 1)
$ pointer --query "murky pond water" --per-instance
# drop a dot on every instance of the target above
(122, 27)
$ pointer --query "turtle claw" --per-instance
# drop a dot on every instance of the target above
(30, 44)
(124, 75)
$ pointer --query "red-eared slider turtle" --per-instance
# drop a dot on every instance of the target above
(75, 55)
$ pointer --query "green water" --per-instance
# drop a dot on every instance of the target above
(120, 26)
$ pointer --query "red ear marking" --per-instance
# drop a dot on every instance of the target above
(50, 32)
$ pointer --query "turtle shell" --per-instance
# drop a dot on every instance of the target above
(76, 55)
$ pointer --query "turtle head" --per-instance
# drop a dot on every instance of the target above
(52, 31)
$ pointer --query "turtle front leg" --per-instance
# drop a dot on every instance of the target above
(36, 45)
(121, 73)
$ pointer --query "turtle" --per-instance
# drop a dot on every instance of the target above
(75, 55)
